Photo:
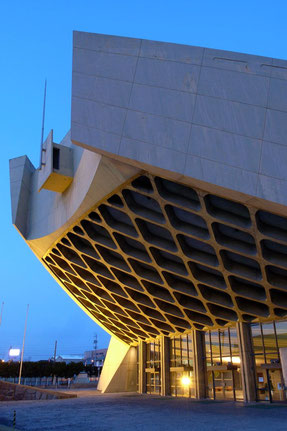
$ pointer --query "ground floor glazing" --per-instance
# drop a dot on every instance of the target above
(242, 363)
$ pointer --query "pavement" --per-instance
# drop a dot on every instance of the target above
(93, 411)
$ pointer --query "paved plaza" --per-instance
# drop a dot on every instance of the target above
(92, 411)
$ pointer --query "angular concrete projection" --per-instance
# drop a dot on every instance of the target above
(56, 171)
(283, 359)
(21, 170)
(119, 372)
(175, 223)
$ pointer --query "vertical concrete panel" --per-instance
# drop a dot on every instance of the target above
(21, 171)
(167, 74)
(158, 131)
(225, 147)
(274, 160)
(119, 370)
(101, 89)
(104, 64)
(272, 189)
(106, 43)
(246, 63)
(199, 363)
(247, 362)
(283, 360)
(235, 117)
(97, 115)
(231, 85)
(155, 155)
(162, 101)
(142, 361)
(171, 51)
(276, 127)
(278, 94)
(165, 359)
(221, 174)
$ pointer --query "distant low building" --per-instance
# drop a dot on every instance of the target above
(95, 357)
(69, 358)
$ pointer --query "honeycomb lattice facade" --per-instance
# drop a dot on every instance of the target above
(158, 257)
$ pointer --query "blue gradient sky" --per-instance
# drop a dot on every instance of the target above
(36, 42)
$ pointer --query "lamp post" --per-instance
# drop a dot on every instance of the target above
(1, 313)
(22, 353)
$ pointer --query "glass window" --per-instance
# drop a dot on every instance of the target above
(270, 342)
(215, 347)
(138, 367)
(153, 367)
(207, 344)
(234, 345)
(181, 362)
(224, 345)
(267, 339)
(223, 365)
(281, 331)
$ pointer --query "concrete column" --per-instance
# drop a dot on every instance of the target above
(142, 365)
(165, 359)
(120, 368)
(247, 361)
(199, 364)
(283, 360)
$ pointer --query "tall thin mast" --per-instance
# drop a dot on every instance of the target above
(1, 313)
(23, 346)
(43, 123)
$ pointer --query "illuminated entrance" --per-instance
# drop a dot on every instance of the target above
(242, 363)
(153, 367)
(268, 339)
(182, 381)
(223, 365)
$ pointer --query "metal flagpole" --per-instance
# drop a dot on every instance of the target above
(23, 345)
(1, 314)
(43, 123)
(55, 351)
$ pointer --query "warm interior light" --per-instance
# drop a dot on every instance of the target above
(14, 352)
(186, 381)
(234, 359)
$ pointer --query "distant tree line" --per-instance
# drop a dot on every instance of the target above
(41, 369)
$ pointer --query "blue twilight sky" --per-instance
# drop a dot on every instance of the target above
(36, 42)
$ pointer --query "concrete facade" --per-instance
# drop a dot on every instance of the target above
(173, 231)
(212, 115)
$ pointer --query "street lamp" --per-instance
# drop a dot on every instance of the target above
(13, 353)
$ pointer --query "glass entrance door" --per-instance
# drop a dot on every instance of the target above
(276, 385)
(223, 365)
(182, 381)
(153, 367)
(223, 385)
(267, 339)
(153, 385)
(182, 384)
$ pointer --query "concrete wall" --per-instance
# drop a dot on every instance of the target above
(42, 216)
(14, 392)
(119, 370)
(283, 360)
(212, 115)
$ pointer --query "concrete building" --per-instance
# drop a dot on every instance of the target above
(163, 214)
(68, 359)
(95, 357)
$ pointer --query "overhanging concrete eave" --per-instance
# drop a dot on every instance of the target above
(192, 182)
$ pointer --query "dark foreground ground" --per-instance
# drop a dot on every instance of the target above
(92, 411)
